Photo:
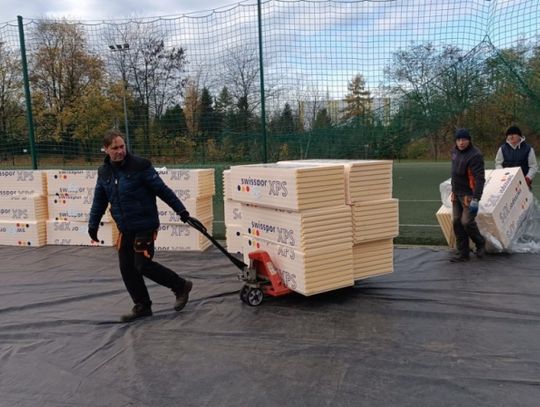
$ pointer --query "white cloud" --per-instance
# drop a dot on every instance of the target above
(104, 9)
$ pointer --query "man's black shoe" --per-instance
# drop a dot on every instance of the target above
(481, 251)
(182, 296)
(459, 258)
(138, 311)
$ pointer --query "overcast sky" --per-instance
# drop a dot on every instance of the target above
(105, 9)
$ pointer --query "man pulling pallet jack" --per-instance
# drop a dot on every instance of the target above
(130, 185)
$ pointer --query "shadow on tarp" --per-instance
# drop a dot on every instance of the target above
(433, 333)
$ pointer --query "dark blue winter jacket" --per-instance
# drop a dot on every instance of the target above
(468, 174)
(131, 189)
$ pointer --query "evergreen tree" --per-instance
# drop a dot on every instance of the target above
(207, 118)
(322, 120)
(358, 109)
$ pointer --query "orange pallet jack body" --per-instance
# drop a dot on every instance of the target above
(260, 277)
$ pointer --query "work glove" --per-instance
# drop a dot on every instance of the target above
(473, 207)
(184, 215)
(92, 232)
(528, 180)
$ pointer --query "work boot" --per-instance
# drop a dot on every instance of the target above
(182, 295)
(459, 258)
(138, 311)
(481, 251)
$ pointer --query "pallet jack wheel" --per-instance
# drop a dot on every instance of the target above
(244, 293)
(254, 296)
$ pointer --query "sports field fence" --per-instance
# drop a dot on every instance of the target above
(261, 81)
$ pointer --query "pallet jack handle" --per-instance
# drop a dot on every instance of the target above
(197, 225)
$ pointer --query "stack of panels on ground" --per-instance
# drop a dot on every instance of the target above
(70, 196)
(232, 210)
(22, 182)
(182, 237)
(22, 233)
(365, 180)
(72, 207)
(200, 208)
(288, 186)
(502, 209)
(71, 181)
(375, 220)
(297, 213)
(195, 188)
(72, 233)
(189, 183)
(308, 273)
(373, 258)
(23, 207)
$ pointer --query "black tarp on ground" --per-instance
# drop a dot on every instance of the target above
(431, 334)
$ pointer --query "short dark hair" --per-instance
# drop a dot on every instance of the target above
(110, 135)
(513, 130)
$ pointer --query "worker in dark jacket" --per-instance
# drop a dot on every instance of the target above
(131, 184)
(468, 179)
(515, 152)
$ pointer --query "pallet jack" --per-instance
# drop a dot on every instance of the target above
(260, 277)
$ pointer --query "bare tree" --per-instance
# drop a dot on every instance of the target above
(155, 69)
(437, 86)
(10, 92)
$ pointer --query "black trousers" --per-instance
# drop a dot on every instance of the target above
(135, 254)
(465, 226)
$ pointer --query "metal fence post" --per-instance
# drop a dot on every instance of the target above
(29, 116)
(263, 110)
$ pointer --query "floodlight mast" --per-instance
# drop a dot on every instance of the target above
(123, 48)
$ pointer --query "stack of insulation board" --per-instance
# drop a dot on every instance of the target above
(196, 189)
(297, 213)
(70, 195)
(444, 217)
(503, 207)
(23, 208)
(233, 217)
(375, 214)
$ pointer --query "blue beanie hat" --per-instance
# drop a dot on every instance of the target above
(462, 133)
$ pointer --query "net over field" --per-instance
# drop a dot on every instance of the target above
(268, 81)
